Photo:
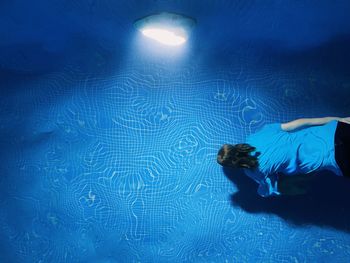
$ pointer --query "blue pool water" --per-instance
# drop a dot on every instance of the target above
(108, 141)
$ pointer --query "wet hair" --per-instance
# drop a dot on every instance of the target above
(238, 156)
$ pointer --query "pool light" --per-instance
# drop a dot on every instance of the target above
(167, 28)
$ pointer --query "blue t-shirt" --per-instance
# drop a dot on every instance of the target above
(295, 152)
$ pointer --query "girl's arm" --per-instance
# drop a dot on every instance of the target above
(299, 123)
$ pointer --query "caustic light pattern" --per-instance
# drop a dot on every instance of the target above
(124, 170)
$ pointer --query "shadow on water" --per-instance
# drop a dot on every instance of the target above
(325, 204)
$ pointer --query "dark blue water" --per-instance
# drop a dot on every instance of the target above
(108, 141)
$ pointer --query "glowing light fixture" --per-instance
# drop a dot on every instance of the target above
(167, 28)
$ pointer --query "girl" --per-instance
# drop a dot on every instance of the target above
(278, 152)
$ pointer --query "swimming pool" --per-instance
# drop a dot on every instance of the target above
(109, 141)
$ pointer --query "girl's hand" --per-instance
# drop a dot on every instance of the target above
(345, 120)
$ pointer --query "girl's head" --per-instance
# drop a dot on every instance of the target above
(238, 156)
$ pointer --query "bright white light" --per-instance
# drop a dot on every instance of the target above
(164, 36)
(167, 28)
